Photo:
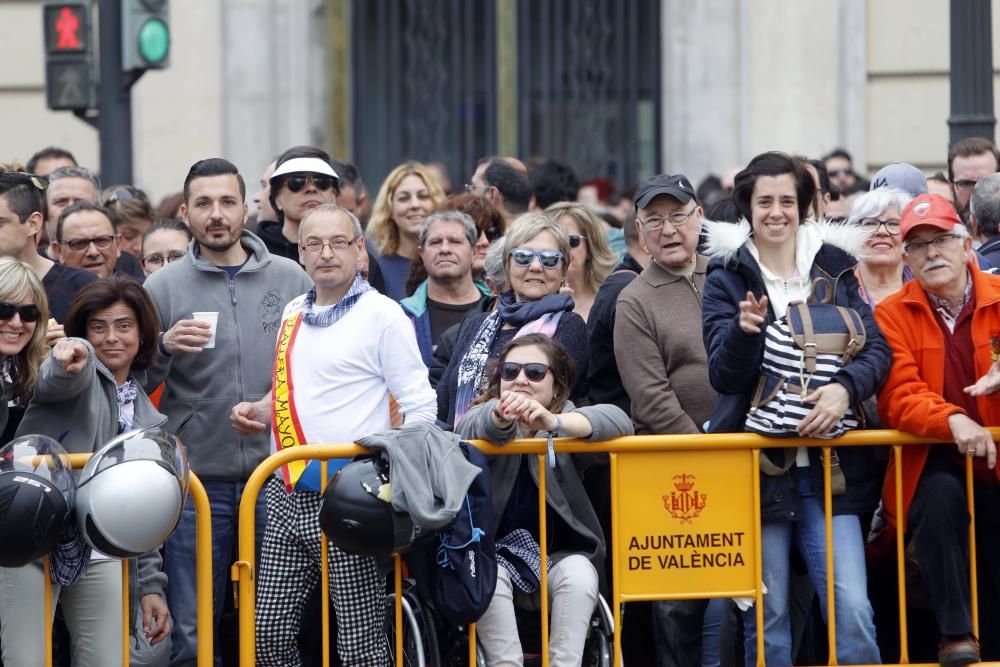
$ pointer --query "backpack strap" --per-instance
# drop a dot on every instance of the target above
(808, 337)
(856, 339)
(768, 467)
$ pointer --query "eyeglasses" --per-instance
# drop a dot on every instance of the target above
(296, 182)
(123, 194)
(549, 259)
(965, 184)
(315, 246)
(918, 248)
(871, 225)
(28, 312)
(534, 372)
(576, 239)
(677, 219)
(101, 242)
(157, 260)
(833, 173)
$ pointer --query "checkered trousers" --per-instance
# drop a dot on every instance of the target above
(289, 569)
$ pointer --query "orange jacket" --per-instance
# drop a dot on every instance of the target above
(911, 399)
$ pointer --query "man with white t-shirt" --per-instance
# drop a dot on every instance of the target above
(342, 349)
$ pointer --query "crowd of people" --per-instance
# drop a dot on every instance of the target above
(530, 304)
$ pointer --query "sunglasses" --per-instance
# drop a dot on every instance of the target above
(576, 239)
(123, 194)
(534, 372)
(549, 259)
(28, 312)
(296, 182)
(833, 173)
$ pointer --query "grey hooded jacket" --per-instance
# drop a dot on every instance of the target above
(430, 475)
(202, 388)
(564, 490)
(84, 406)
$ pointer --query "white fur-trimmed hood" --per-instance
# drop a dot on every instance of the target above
(724, 239)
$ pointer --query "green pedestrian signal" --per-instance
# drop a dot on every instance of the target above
(154, 41)
(145, 34)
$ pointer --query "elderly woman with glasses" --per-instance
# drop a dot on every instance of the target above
(880, 271)
(536, 252)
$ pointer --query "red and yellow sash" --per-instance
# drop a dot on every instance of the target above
(284, 419)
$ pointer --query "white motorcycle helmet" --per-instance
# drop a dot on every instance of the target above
(131, 493)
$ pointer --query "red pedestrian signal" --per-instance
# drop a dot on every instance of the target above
(66, 29)
(70, 81)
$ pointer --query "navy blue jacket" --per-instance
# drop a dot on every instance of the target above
(735, 358)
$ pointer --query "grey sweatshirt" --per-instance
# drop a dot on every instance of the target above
(202, 388)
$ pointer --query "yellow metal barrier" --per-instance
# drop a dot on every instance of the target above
(203, 570)
(665, 447)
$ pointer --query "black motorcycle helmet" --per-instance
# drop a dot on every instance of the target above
(37, 493)
(357, 515)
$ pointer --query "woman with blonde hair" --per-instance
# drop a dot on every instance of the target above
(590, 258)
(407, 196)
(535, 253)
(24, 312)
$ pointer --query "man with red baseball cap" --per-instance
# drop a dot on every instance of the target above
(944, 330)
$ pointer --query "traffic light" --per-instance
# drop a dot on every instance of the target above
(69, 55)
(145, 34)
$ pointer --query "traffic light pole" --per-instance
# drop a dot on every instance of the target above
(114, 120)
(971, 71)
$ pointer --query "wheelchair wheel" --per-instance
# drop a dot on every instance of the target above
(597, 652)
(420, 648)
(457, 652)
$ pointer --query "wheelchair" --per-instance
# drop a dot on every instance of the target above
(598, 650)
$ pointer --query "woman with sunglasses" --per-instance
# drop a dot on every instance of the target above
(880, 271)
(23, 314)
(85, 396)
(303, 179)
(760, 265)
(528, 396)
(408, 195)
(590, 258)
(535, 253)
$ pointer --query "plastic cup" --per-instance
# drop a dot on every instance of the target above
(213, 319)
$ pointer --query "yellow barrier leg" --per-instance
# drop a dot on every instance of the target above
(47, 592)
(973, 573)
(758, 565)
(904, 650)
(472, 644)
(324, 577)
(203, 570)
(616, 591)
(126, 614)
(544, 556)
(397, 575)
(831, 606)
